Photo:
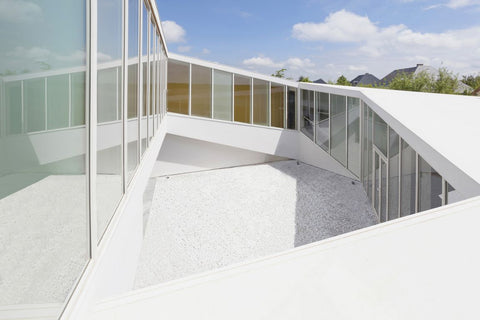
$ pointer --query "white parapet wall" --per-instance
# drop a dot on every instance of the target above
(423, 266)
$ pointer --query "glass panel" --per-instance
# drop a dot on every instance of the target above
(108, 95)
(151, 103)
(43, 215)
(242, 99)
(144, 98)
(369, 123)
(376, 189)
(178, 75)
(408, 180)
(57, 102)
(393, 181)
(383, 191)
(201, 91)
(338, 131)
(365, 146)
(306, 118)
(222, 95)
(430, 186)
(132, 104)
(277, 106)
(109, 134)
(13, 102)
(34, 104)
(292, 108)
(78, 99)
(380, 132)
(322, 118)
(260, 102)
(353, 139)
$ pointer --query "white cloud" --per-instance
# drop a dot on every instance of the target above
(261, 62)
(19, 11)
(205, 51)
(244, 14)
(454, 4)
(183, 49)
(173, 32)
(383, 49)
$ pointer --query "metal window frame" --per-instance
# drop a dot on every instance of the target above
(124, 99)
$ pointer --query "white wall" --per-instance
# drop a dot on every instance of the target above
(388, 271)
(181, 155)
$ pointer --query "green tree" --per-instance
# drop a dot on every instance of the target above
(342, 81)
(446, 82)
(303, 79)
(472, 81)
(279, 73)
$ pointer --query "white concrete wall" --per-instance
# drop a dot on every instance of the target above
(389, 271)
(181, 155)
(273, 141)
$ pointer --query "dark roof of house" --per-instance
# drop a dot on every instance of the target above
(389, 77)
(365, 79)
(476, 92)
(319, 81)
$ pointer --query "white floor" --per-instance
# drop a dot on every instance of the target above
(207, 220)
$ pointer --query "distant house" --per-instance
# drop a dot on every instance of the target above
(462, 87)
(366, 79)
(476, 92)
(321, 81)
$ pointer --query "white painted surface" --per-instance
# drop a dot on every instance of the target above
(279, 142)
(113, 270)
(181, 155)
(411, 268)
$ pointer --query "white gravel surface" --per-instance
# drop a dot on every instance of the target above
(207, 220)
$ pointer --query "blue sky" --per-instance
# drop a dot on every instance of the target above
(324, 39)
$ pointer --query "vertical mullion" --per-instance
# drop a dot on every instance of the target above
(91, 124)
(346, 132)
(329, 125)
(387, 175)
(314, 138)
(116, 90)
(124, 105)
(444, 192)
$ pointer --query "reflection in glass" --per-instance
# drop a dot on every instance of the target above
(322, 115)
(13, 102)
(383, 191)
(353, 134)
(58, 103)
(132, 103)
(151, 101)
(260, 102)
(222, 95)
(277, 105)
(306, 117)
(34, 104)
(201, 91)
(429, 185)
(380, 134)
(408, 189)
(242, 98)
(177, 92)
(292, 108)
(338, 130)
(144, 98)
(393, 181)
(109, 114)
(43, 214)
